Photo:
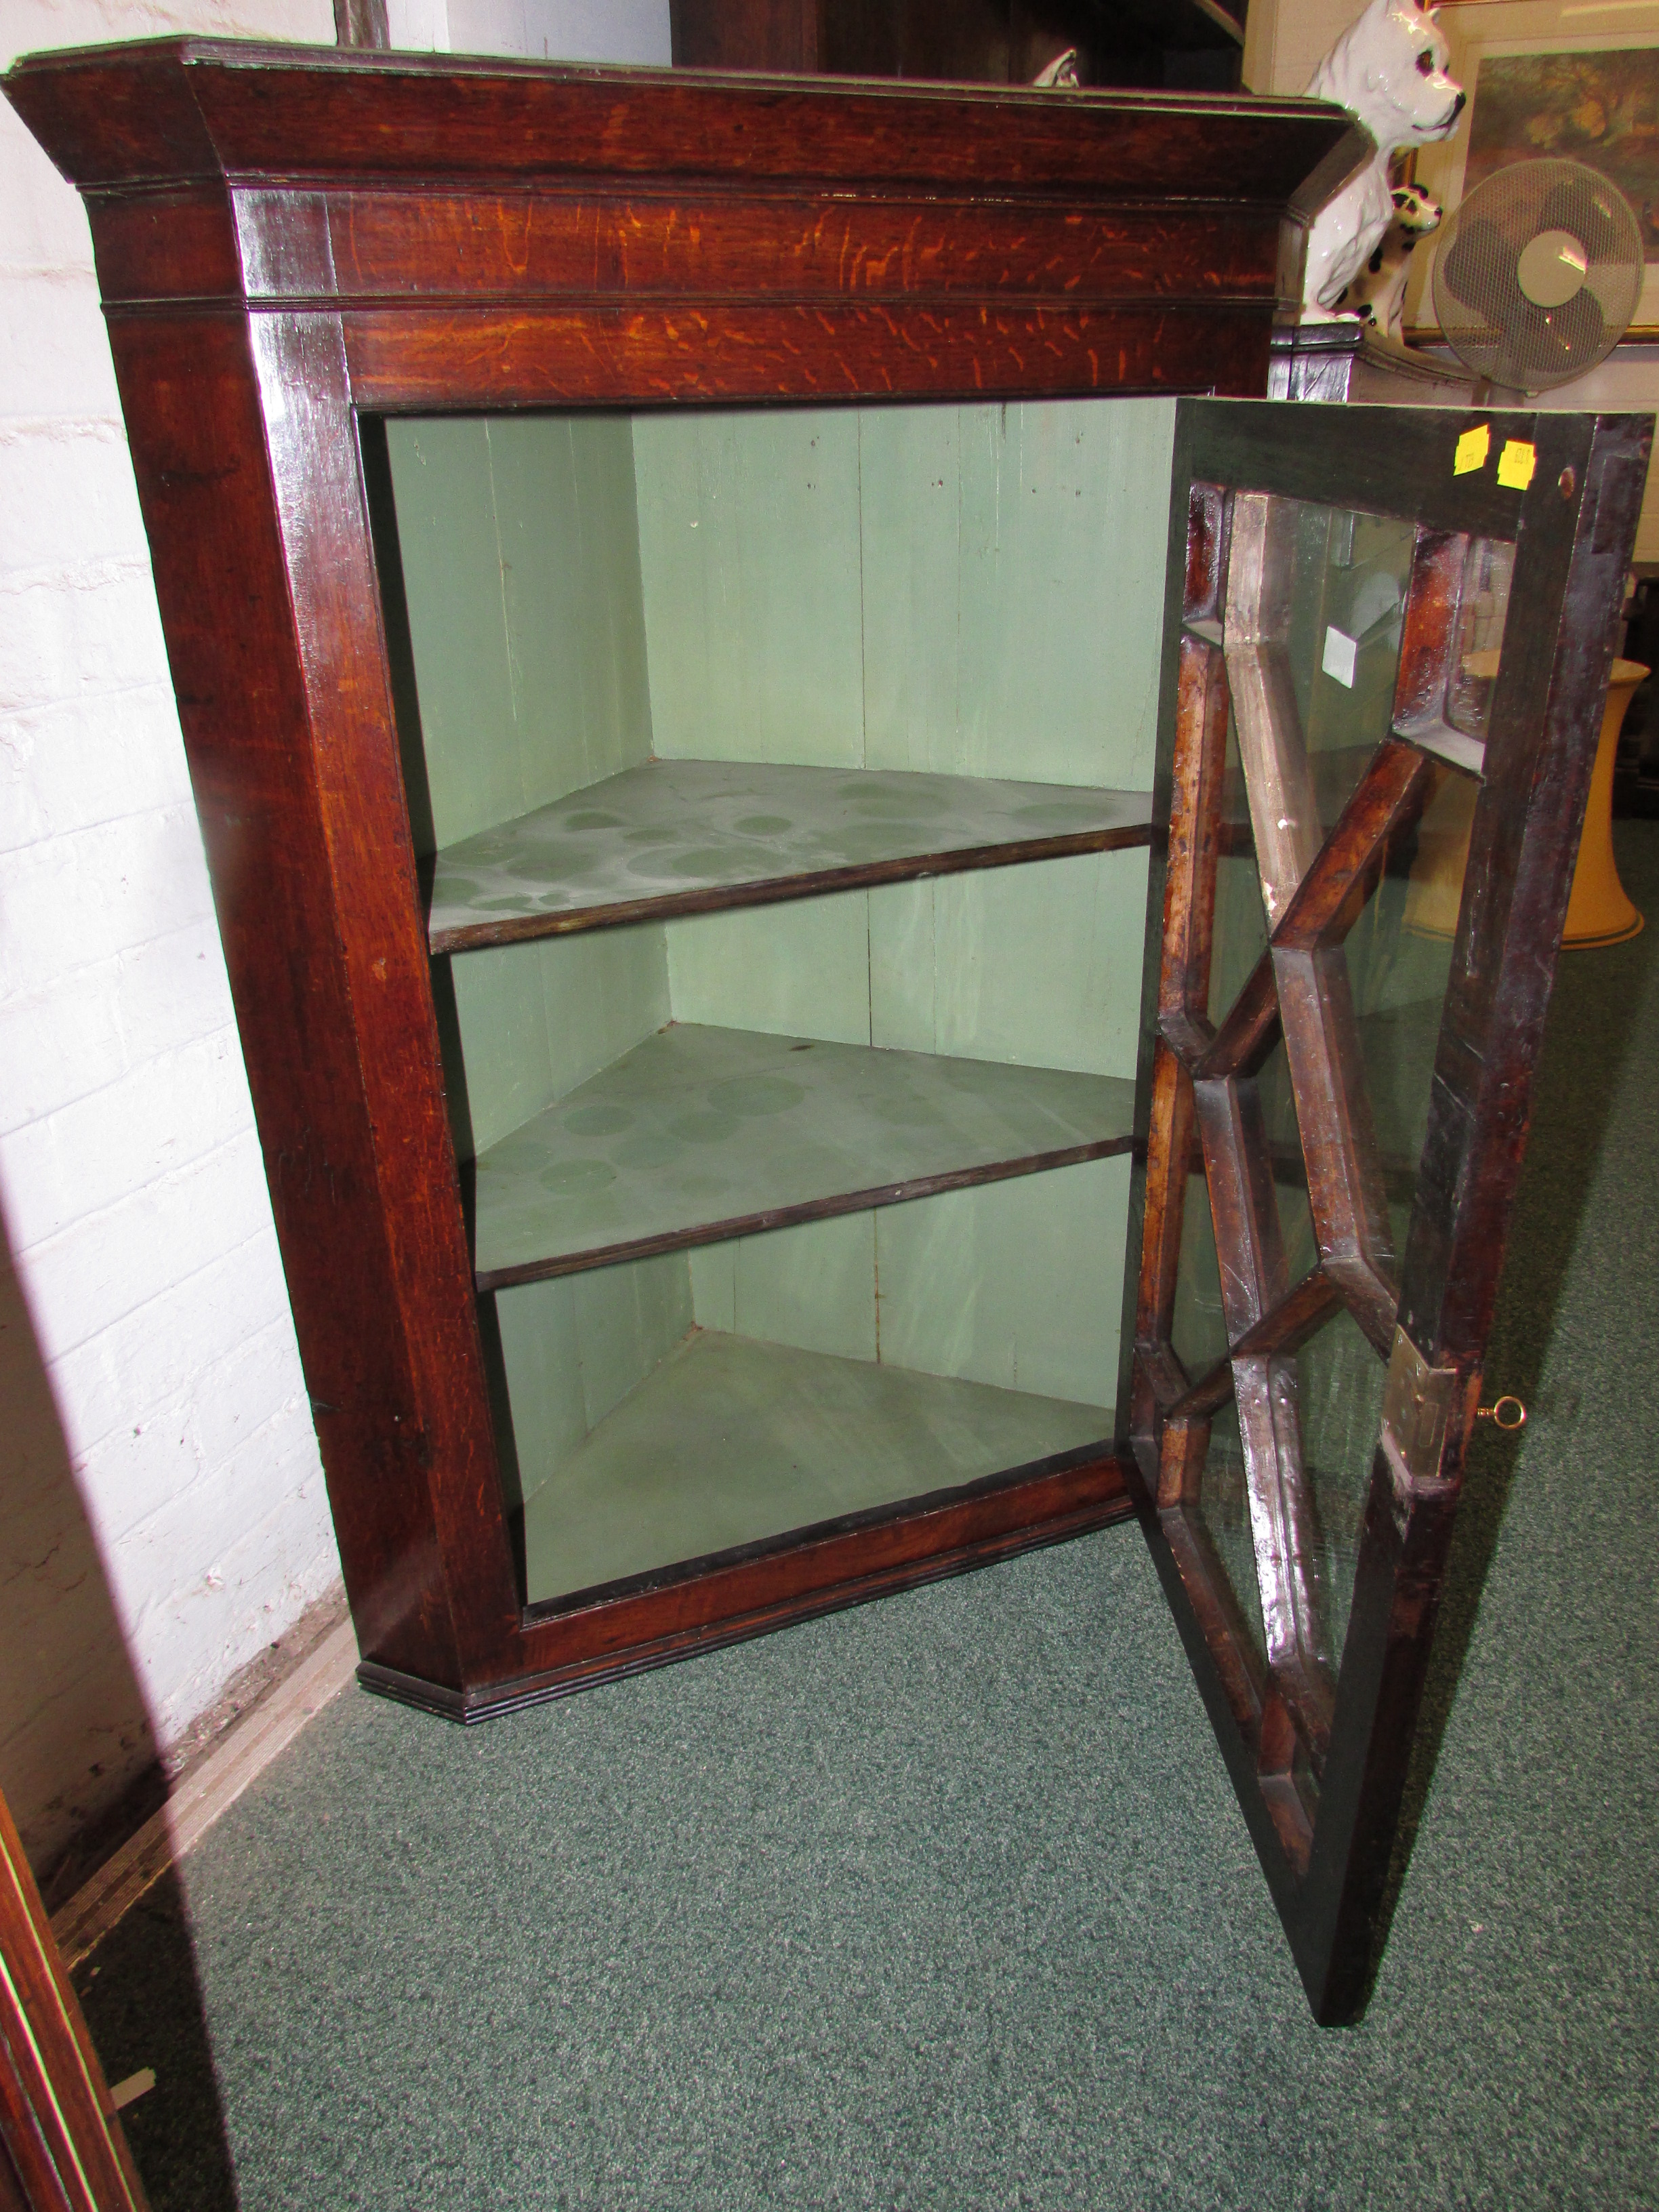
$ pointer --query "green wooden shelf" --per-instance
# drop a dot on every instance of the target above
(703, 1133)
(687, 836)
(728, 1442)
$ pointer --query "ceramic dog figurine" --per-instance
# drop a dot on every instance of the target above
(1377, 295)
(1389, 69)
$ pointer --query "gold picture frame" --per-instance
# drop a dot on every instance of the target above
(1579, 78)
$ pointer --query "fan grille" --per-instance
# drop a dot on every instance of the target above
(1504, 317)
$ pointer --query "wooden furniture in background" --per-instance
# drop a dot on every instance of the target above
(62, 2148)
(297, 249)
(1175, 45)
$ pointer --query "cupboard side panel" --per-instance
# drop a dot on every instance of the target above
(283, 700)
(521, 578)
(1016, 1284)
(1012, 589)
(574, 1347)
(748, 549)
(1037, 964)
(812, 1286)
(534, 1020)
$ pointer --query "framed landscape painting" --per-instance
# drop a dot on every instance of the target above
(1557, 79)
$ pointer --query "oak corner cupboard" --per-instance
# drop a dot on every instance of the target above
(665, 579)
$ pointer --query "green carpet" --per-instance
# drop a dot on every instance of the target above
(946, 1902)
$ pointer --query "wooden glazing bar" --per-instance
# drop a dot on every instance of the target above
(1329, 897)
(1218, 1616)
(1238, 1170)
(1206, 1397)
(1201, 754)
(1285, 1330)
(1284, 806)
(1160, 1380)
(1429, 630)
(1370, 1294)
(1169, 1156)
(1276, 1746)
(1182, 1450)
(1208, 516)
(1346, 1189)
(1249, 1031)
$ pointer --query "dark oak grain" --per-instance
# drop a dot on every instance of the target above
(291, 243)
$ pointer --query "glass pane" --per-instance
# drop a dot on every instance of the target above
(1239, 936)
(1223, 1509)
(1198, 1330)
(1483, 604)
(1399, 954)
(1296, 1225)
(1347, 588)
(1340, 1382)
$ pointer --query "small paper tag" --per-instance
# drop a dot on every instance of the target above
(1473, 448)
(1340, 652)
(1516, 464)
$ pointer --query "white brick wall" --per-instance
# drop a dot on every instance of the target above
(163, 1514)
(161, 1507)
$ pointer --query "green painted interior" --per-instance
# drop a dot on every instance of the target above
(959, 591)
(522, 570)
(701, 1131)
(670, 831)
(729, 1442)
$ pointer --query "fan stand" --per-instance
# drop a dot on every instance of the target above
(1599, 911)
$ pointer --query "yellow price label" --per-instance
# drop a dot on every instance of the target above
(1516, 464)
(1473, 448)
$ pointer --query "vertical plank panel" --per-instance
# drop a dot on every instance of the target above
(1060, 610)
(563, 489)
(542, 1358)
(538, 1019)
(1038, 964)
(574, 1348)
(457, 620)
(520, 556)
(909, 536)
(1018, 1284)
(749, 555)
(627, 1319)
(812, 1286)
(801, 970)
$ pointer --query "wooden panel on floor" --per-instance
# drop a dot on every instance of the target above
(702, 1133)
(731, 1442)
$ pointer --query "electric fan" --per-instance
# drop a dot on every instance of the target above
(1538, 273)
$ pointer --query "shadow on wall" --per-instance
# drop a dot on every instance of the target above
(71, 1703)
(78, 1761)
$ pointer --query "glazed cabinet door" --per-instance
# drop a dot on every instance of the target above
(1388, 638)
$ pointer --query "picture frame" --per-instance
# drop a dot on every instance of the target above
(1541, 76)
